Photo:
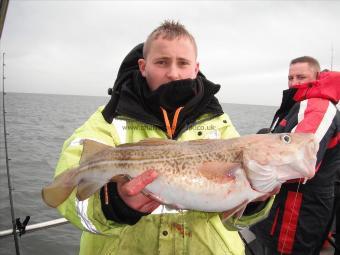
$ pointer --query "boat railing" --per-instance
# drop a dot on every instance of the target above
(33, 227)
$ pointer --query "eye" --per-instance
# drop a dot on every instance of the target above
(286, 138)
(183, 63)
(160, 62)
(301, 77)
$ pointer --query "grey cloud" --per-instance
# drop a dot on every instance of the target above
(75, 47)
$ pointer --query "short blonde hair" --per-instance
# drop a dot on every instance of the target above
(169, 30)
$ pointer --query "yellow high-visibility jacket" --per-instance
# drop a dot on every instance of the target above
(169, 232)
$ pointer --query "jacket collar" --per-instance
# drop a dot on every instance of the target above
(326, 87)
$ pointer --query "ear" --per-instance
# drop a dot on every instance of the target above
(141, 65)
(317, 76)
(197, 68)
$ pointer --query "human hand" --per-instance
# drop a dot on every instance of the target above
(131, 192)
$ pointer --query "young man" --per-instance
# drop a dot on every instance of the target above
(159, 93)
(300, 217)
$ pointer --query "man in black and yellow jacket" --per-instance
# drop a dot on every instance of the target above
(159, 93)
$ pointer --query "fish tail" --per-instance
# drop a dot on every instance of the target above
(60, 189)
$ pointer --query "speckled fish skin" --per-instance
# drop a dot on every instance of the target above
(206, 175)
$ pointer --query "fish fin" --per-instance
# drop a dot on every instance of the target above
(237, 211)
(86, 189)
(219, 172)
(240, 212)
(162, 141)
(91, 148)
(121, 178)
(60, 189)
(199, 141)
(149, 142)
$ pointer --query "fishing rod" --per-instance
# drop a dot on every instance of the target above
(14, 225)
(18, 227)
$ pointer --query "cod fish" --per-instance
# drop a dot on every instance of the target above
(212, 175)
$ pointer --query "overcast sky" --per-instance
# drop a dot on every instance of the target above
(76, 47)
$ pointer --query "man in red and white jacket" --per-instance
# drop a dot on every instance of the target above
(301, 216)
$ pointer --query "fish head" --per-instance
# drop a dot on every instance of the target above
(272, 159)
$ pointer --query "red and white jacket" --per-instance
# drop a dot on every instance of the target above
(301, 214)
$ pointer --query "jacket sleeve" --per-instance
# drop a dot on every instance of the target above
(86, 215)
(315, 116)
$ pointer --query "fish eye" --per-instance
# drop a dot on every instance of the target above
(286, 138)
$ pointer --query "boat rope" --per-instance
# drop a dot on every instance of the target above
(14, 225)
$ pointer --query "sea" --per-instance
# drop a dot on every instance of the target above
(36, 126)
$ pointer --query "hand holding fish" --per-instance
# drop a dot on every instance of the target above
(131, 192)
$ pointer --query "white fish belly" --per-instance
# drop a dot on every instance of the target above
(202, 194)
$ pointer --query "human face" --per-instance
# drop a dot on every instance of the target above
(169, 60)
(301, 73)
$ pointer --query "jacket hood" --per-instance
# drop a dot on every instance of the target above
(125, 72)
(326, 87)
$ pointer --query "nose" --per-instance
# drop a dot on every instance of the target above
(173, 73)
(293, 81)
